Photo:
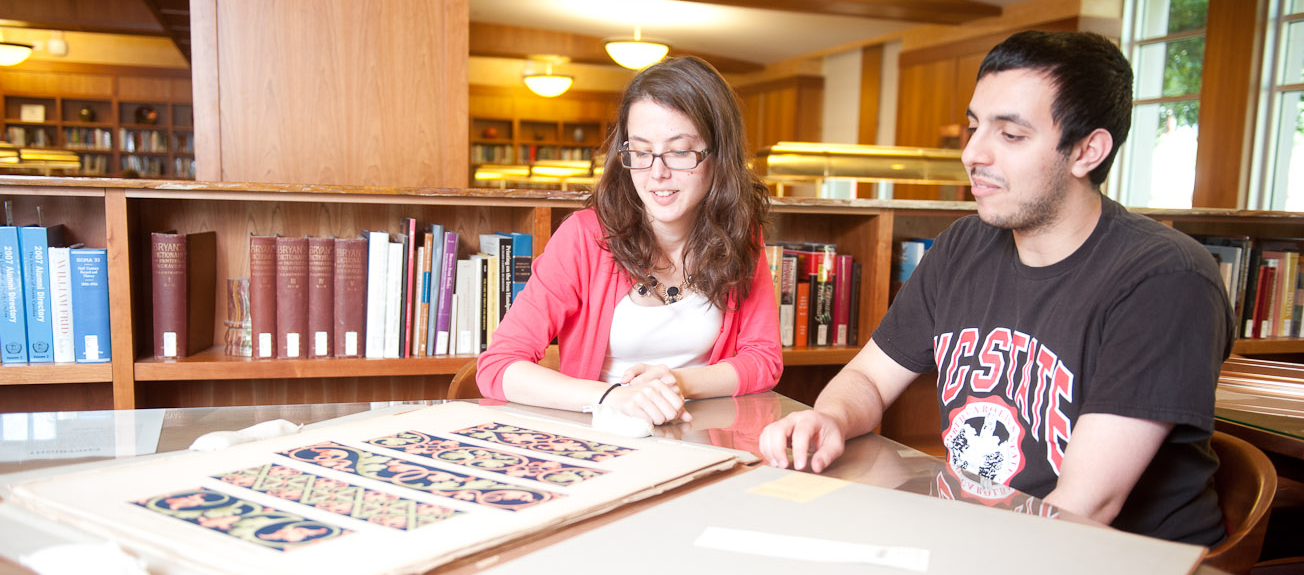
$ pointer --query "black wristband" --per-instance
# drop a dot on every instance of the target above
(608, 392)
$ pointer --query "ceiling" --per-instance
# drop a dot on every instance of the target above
(736, 35)
(744, 35)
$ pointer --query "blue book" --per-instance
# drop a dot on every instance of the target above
(434, 283)
(35, 242)
(13, 310)
(522, 259)
(90, 305)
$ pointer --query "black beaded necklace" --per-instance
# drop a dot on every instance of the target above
(667, 294)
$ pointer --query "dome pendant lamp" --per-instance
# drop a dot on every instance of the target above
(547, 84)
(636, 53)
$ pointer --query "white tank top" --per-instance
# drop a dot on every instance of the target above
(677, 335)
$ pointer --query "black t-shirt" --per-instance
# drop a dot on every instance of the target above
(1134, 323)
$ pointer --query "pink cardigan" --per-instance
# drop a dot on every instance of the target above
(572, 295)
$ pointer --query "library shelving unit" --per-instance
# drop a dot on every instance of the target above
(153, 138)
(525, 143)
(119, 215)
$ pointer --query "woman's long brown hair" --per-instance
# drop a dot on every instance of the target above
(723, 246)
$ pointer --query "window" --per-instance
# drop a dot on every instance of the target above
(1279, 154)
(1164, 40)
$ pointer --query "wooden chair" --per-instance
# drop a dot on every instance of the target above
(1246, 482)
(463, 384)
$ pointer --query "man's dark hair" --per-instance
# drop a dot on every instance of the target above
(1092, 80)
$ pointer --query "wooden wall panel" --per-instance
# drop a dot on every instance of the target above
(89, 85)
(153, 88)
(871, 84)
(785, 110)
(334, 92)
(1227, 106)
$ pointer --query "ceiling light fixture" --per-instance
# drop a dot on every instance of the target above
(636, 53)
(12, 52)
(547, 84)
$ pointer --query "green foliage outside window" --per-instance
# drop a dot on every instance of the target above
(1184, 62)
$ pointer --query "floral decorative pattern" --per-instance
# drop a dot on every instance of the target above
(242, 519)
(544, 442)
(338, 497)
(509, 464)
(424, 478)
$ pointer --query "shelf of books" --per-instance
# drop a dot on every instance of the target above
(230, 293)
(523, 144)
(108, 137)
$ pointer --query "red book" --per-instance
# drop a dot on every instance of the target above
(321, 296)
(801, 339)
(184, 270)
(350, 296)
(291, 297)
(409, 277)
(1262, 303)
(262, 295)
(842, 300)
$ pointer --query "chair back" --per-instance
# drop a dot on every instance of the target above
(1245, 482)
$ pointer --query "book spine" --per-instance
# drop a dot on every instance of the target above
(1251, 304)
(35, 242)
(410, 239)
(61, 304)
(350, 296)
(822, 296)
(262, 295)
(842, 299)
(1286, 289)
(321, 297)
(1267, 273)
(853, 324)
(482, 310)
(393, 327)
(492, 295)
(801, 324)
(464, 341)
(377, 269)
(291, 297)
(418, 343)
(435, 283)
(506, 269)
(788, 300)
(90, 305)
(522, 260)
(13, 312)
(201, 290)
(447, 279)
(168, 264)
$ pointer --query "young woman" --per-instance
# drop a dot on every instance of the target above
(658, 291)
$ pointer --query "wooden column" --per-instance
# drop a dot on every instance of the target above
(331, 91)
(1232, 61)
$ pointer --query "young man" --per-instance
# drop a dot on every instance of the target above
(1077, 345)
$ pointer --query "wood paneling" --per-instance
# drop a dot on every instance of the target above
(153, 89)
(871, 84)
(936, 11)
(110, 16)
(500, 41)
(334, 92)
(786, 110)
(1227, 107)
(934, 90)
(24, 82)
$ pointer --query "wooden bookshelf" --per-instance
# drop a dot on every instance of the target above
(120, 214)
(109, 135)
(516, 127)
